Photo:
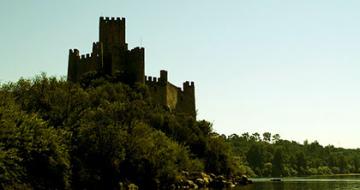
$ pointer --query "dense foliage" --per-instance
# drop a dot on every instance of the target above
(96, 134)
(272, 156)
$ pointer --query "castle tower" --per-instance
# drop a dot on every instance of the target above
(74, 59)
(135, 66)
(112, 36)
(112, 32)
(118, 60)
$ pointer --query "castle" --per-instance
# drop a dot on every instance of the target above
(111, 56)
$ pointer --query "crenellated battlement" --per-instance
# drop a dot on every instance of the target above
(162, 80)
(85, 58)
(112, 19)
(74, 52)
(88, 56)
(188, 86)
(151, 80)
(137, 50)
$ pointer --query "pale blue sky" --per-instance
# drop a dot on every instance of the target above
(283, 66)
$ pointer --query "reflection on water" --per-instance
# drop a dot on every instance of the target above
(340, 182)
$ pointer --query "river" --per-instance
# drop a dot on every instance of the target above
(337, 182)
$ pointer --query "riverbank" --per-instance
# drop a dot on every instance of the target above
(201, 180)
(196, 180)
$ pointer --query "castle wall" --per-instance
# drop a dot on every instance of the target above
(172, 93)
(87, 63)
(178, 100)
(157, 90)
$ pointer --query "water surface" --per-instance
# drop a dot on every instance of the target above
(338, 182)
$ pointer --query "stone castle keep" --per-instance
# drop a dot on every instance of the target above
(111, 56)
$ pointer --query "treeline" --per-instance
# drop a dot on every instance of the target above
(269, 155)
(98, 134)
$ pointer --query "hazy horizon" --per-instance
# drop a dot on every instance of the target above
(286, 67)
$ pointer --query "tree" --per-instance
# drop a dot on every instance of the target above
(32, 155)
(255, 137)
(246, 136)
(267, 137)
(301, 163)
(278, 163)
(275, 138)
(255, 157)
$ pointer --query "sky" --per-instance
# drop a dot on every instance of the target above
(280, 66)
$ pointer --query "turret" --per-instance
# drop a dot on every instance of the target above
(135, 67)
(163, 76)
(188, 87)
(188, 103)
(74, 58)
